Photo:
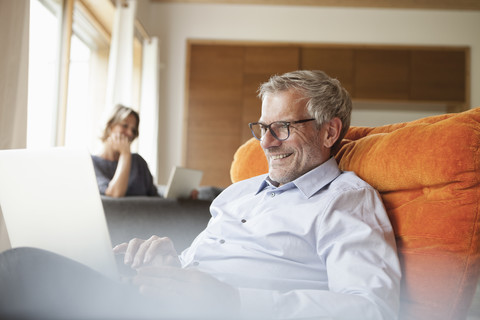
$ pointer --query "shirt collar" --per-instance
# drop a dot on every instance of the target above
(311, 181)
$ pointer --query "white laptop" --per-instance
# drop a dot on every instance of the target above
(182, 182)
(49, 199)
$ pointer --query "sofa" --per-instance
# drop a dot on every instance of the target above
(428, 174)
(141, 217)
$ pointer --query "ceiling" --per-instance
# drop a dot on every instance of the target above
(398, 4)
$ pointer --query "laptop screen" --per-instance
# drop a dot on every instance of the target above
(49, 199)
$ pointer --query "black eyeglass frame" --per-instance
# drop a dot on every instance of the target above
(269, 127)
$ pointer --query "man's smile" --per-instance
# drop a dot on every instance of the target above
(280, 156)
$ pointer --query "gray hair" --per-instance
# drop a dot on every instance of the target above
(326, 98)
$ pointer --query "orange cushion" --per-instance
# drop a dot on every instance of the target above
(428, 173)
(248, 161)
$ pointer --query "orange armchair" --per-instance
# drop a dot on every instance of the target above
(428, 174)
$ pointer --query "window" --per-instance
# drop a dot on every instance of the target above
(76, 117)
(43, 49)
(79, 124)
(87, 76)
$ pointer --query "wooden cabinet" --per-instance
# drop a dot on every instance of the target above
(223, 79)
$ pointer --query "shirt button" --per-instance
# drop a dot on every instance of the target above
(195, 263)
(243, 220)
(272, 194)
(222, 241)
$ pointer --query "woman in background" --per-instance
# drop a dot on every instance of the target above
(120, 172)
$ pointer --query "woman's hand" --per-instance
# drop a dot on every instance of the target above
(119, 143)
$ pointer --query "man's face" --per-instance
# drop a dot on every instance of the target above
(303, 150)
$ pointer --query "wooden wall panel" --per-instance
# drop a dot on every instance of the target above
(260, 64)
(381, 74)
(438, 75)
(251, 104)
(270, 59)
(336, 62)
(214, 100)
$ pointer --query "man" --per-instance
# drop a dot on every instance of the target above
(303, 241)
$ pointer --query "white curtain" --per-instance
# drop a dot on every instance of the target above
(120, 63)
(147, 141)
(14, 26)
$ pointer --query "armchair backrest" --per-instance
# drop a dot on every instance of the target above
(428, 174)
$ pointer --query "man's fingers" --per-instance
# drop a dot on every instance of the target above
(163, 248)
(120, 248)
(156, 250)
(132, 250)
(140, 249)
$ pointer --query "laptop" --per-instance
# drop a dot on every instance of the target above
(49, 199)
(182, 182)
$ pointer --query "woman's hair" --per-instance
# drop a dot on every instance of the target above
(119, 113)
(326, 98)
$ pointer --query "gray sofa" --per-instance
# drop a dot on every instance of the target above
(181, 220)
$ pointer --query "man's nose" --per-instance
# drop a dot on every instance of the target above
(268, 140)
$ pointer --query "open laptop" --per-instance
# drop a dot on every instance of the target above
(49, 199)
(182, 182)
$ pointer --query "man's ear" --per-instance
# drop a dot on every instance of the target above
(333, 128)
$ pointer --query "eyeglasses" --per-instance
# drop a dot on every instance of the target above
(280, 130)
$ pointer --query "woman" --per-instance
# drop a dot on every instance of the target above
(119, 171)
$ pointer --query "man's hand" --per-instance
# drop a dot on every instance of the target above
(155, 251)
(177, 292)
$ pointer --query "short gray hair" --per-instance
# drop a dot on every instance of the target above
(326, 97)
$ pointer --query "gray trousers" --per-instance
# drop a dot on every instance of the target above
(36, 284)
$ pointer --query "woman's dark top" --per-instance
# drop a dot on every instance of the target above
(140, 181)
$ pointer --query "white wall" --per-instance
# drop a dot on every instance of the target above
(175, 23)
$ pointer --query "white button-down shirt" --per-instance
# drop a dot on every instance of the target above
(321, 246)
